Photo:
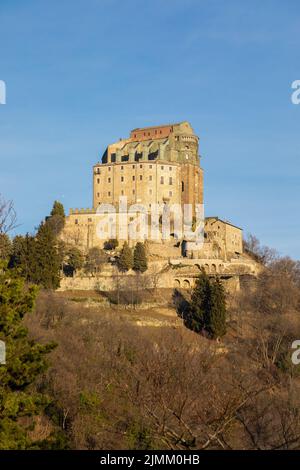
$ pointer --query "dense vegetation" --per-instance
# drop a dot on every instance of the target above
(43, 258)
(120, 385)
(113, 384)
(21, 405)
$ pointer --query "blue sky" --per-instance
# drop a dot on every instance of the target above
(81, 74)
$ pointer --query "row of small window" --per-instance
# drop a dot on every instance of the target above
(149, 133)
(162, 181)
(133, 192)
(133, 166)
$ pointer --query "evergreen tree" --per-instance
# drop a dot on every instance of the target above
(208, 307)
(58, 209)
(56, 220)
(5, 246)
(47, 259)
(125, 262)
(62, 251)
(140, 258)
(111, 244)
(23, 256)
(25, 361)
(75, 261)
(215, 323)
(199, 302)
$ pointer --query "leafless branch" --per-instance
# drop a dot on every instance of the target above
(8, 217)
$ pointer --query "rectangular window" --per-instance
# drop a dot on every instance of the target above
(161, 167)
(150, 166)
(161, 180)
(150, 178)
(141, 177)
(122, 192)
(122, 178)
(170, 168)
(170, 181)
(133, 166)
(170, 193)
(133, 178)
(122, 168)
(109, 180)
(150, 191)
(98, 194)
(98, 180)
(133, 191)
(109, 193)
(113, 157)
(141, 166)
(76, 221)
(109, 168)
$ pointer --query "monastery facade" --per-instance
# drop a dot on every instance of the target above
(154, 165)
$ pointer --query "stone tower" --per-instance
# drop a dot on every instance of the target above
(154, 165)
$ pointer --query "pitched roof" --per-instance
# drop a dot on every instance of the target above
(224, 221)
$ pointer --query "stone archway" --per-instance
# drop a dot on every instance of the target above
(177, 283)
(186, 284)
(213, 269)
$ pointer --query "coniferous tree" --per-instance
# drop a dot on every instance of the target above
(5, 246)
(111, 244)
(215, 323)
(199, 302)
(125, 262)
(56, 220)
(23, 256)
(58, 209)
(140, 258)
(208, 307)
(75, 261)
(24, 362)
(47, 259)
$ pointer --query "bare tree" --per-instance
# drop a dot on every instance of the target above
(262, 254)
(8, 217)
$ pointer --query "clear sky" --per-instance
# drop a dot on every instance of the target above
(80, 74)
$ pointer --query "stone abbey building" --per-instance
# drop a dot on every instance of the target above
(154, 165)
